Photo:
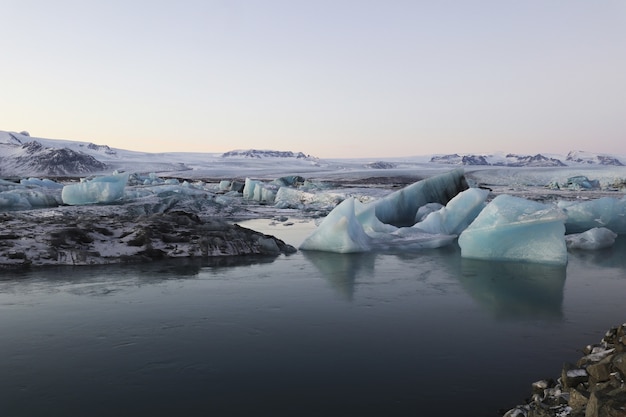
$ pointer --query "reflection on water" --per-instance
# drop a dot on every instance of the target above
(342, 270)
(514, 289)
(610, 257)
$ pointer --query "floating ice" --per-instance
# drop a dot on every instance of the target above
(356, 227)
(339, 232)
(604, 212)
(22, 198)
(400, 208)
(259, 191)
(292, 198)
(45, 183)
(593, 239)
(516, 229)
(98, 190)
(457, 214)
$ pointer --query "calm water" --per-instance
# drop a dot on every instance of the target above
(311, 334)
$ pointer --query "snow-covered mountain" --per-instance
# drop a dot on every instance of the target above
(583, 157)
(260, 154)
(516, 160)
(22, 155)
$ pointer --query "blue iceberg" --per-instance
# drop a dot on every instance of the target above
(105, 189)
(515, 229)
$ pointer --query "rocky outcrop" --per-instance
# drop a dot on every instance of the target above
(96, 235)
(593, 387)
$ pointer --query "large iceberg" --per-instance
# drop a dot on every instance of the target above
(515, 229)
(356, 227)
(106, 189)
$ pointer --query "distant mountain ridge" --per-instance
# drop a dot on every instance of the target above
(23, 155)
(538, 160)
(259, 154)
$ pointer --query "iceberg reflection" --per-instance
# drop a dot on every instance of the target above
(515, 290)
(342, 270)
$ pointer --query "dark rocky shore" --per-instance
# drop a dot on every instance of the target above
(593, 387)
(98, 235)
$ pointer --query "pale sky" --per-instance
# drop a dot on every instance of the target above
(339, 78)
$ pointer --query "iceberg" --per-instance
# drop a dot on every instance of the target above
(353, 226)
(339, 232)
(515, 229)
(259, 191)
(603, 212)
(593, 239)
(26, 198)
(292, 198)
(400, 207)
(105, 189)
(44, 183)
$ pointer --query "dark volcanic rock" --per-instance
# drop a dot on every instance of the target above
(594, 387)
(92, 235)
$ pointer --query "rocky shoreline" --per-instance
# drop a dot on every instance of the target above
(113, 234)
(593, 387)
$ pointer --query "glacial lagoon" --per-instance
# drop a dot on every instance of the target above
(309, 334)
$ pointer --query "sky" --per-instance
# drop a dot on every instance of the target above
(338, 78)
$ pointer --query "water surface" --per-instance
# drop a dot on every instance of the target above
(311, 334)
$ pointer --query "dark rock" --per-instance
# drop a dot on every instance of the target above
(87, 235)
(594, 387)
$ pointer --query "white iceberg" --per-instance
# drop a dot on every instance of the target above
(515, 229)
(105, 189)
(593, 239)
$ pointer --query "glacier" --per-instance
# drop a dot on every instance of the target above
(516, 229)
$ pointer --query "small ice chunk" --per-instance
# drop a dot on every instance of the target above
(593, 239)
(575, 373)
